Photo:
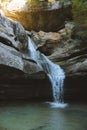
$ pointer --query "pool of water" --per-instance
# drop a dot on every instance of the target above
(41, 116)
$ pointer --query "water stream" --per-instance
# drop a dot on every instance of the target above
(55, 73)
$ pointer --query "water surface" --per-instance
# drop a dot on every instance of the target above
(41, 116)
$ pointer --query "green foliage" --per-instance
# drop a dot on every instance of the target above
(79, 10)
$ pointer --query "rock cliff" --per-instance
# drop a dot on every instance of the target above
(38, 15)
(21, 77)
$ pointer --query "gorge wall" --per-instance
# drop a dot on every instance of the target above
(39, 15)
(22, 78)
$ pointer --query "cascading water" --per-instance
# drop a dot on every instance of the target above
(55, 73)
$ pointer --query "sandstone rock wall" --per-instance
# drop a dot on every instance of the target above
(48, 17)
(20, 76)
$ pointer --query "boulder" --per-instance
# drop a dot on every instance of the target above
(38, 15)
(47, 42)
(13, 34)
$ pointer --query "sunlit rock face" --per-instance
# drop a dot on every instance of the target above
(13, 38)
(47, 42)
(13, 34)
(38, 15)
(20, 76)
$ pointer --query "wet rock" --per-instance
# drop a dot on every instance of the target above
(14, 60)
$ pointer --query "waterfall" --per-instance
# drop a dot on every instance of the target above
(55, 73)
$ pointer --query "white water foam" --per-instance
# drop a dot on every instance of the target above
(55, 73)
(57, 104)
